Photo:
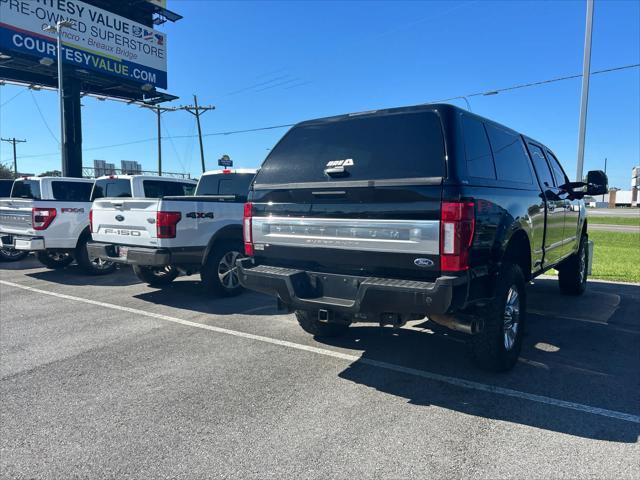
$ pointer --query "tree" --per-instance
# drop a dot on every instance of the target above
(51, 173)
(6, 172)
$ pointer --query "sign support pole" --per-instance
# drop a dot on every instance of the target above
(72, 121)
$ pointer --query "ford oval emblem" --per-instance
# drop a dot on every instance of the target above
(120, 218)
(423, 262)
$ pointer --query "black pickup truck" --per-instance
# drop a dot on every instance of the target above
(400, 214)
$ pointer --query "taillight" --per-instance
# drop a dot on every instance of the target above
(246, 229)
(457, 223)
(166, 224)
(41, 218)
(90, 221)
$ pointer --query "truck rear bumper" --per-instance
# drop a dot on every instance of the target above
(132, 255)
(304, 290)
(17, 242)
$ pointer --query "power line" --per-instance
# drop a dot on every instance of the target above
(33, 97)
(13, 98)
(534, 84)
(173, 146)
(273, 127)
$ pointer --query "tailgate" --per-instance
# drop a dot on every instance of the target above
(125, 222)
(15, 216)
(381, 232)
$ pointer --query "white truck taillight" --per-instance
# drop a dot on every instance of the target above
(41, 218)
(91, 221)
(246, 229)
(166, 224)
(457, 223)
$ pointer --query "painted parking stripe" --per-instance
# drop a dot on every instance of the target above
(458, 382)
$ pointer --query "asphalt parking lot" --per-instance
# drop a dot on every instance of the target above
(106, 377)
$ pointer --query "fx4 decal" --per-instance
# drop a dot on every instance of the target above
(72, 210)
(200, 214)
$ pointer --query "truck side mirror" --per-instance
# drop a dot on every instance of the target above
(597, 183)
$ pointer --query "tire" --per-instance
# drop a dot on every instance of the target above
(156, 276)
(572, 273)
(308, 320)
(219, 273)
(54, 259)
(12, 255)
(90, 266)
(497, 346)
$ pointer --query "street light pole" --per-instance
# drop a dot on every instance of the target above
(586, 70)
(57, 29)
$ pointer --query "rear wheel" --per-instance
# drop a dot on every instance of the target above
(156, 276)
(572, 274)
(498, 344)
(219, 273)
(12, 255)
(308, 320)
(92, 266)
(54, 259)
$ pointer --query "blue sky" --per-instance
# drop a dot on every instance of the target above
(270, 63)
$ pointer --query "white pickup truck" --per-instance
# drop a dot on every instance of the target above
(9, 254)
(50, 216)
(183, 234)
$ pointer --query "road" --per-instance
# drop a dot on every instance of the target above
(103, 377)
(614, 212)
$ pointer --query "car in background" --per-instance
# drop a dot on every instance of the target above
(164, 237)
(141, 186)
(50, 216)
(9, 254)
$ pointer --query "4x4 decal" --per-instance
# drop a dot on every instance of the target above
(200, 214)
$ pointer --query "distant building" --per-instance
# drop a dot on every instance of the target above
(101, 167)
(620, 198)
(130, 167)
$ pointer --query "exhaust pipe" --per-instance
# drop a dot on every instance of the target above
(460, 323)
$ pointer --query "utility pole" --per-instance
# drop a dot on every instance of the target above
(159, 111)
(586, 71)
(15, 157)
(197, 110)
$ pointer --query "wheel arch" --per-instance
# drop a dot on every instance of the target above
(517, 249)
(86, 232)
(227, 233)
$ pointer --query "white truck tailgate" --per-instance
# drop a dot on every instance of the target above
(128, 221)
(15, 216)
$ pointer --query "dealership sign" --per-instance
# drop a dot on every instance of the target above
(99, 41)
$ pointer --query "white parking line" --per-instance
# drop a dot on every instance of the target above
(458, 382)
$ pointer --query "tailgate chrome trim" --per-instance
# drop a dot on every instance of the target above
(407, 236)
